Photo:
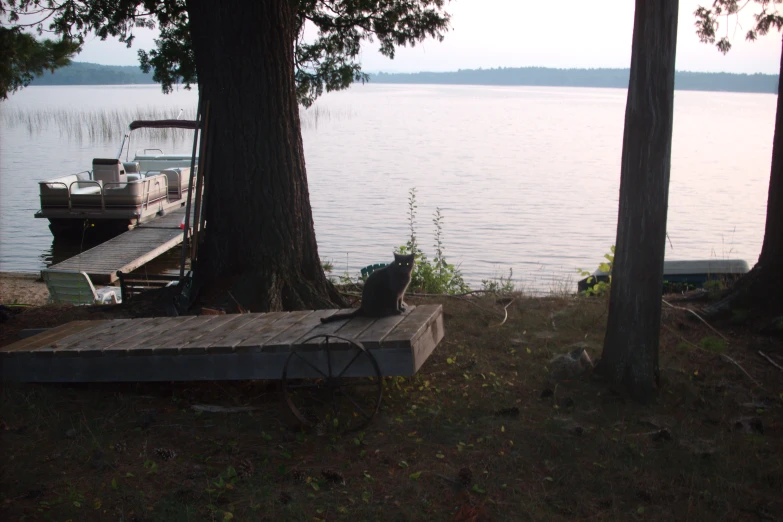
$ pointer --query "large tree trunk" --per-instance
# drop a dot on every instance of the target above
(259, 239)
(630, 355)
(761, 289)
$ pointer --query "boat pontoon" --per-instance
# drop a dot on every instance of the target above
(117, 195)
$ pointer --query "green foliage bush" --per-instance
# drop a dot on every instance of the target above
(599, 287)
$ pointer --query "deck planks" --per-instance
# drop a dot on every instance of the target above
(234, 346)
(129, 250)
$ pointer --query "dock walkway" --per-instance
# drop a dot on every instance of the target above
(129, 250)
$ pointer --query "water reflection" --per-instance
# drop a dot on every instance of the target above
(526, 177)
(66, 248)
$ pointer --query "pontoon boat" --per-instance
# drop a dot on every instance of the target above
(117, 195)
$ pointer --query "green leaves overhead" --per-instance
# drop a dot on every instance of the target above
(330, 60)
(707, 20)
(327, 47)
(23, 58)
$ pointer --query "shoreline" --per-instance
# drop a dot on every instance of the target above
(22, 288)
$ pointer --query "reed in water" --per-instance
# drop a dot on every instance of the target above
(109, 125)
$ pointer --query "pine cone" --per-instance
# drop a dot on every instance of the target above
(465, 477)
(321, 428)
(245, 469)
(50, 457)
(508, 412)
(333, 476)
(165, 454)
(298, 476)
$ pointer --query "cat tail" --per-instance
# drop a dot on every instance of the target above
(338, 317)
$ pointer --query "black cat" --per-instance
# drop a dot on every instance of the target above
(383, 291)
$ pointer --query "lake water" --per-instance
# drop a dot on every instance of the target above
(527, 178)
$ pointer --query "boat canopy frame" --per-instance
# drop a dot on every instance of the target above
(155, 124)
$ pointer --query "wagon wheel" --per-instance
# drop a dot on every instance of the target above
(333, 398)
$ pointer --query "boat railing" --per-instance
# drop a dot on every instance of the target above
(157, 179)
(85, 182)
(147, 184)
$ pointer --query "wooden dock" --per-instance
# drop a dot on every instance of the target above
(129, 250)
(223, 347)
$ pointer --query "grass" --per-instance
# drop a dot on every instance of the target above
(109, 125)
(97, 125)
(536, 450)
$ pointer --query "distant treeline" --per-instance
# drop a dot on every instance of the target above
(80, 73)
(612, 78)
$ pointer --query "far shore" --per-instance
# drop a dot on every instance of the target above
(22, 288)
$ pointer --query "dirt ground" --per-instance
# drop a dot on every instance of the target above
(484, 431)
(22, 289)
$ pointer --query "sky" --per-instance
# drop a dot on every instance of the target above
(521, 33)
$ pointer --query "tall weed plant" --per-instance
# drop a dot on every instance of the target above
(436, 276)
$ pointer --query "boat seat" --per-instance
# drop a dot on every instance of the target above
(131, 167)
(178, 180)
(87, 189)
(150, 189)
(108, 171)
(75, 287)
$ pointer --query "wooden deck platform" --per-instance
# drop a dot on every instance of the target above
(222, 347)
(129, 250)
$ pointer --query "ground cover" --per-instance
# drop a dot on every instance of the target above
(483, 432)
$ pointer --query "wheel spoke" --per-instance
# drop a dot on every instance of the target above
(319, 400)
(358, 353)
(310, 365)
(328, 357)
(356, 405)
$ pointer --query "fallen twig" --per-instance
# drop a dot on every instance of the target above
(472, 292)
(239, 306)
(448, 479)
(773, 363)
(724, 357)
(729, 359)
(683, 339)
(470, 302)
(412, 294)
(505, 315)
(182, 426)
(210, 408)
(698, 317)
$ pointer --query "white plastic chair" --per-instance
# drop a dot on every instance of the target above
(75, 287)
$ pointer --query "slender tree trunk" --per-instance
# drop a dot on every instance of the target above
(259, 239)
(761, 289)
(771, 258)
(630, 355)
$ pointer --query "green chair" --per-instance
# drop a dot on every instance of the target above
(369, 269)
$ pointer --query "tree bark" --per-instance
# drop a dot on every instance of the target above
(259, 241)
(630, 354)
(761, 289)
(772, 249)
